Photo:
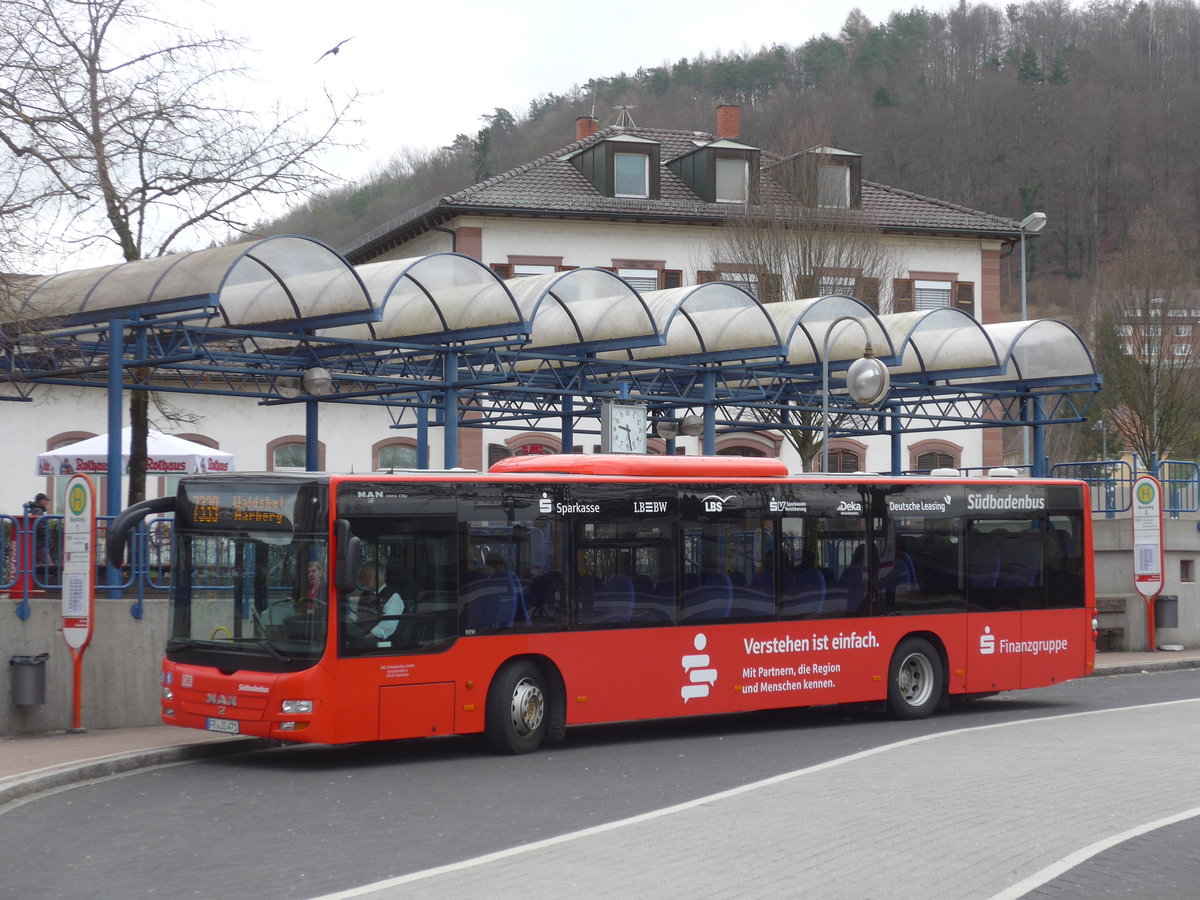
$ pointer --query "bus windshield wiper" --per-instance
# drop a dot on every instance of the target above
(270, 648)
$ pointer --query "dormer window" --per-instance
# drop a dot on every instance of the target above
(621, 166)
(723, 171)
(822, 177)
(732, 181)
(631, 175)
(833, 186)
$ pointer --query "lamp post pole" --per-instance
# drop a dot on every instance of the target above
(867, 379)
(1031, 224)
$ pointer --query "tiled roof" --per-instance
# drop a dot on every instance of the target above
(552, 184)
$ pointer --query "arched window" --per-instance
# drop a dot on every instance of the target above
(842, 460)
(740, 451)
(497, 452)
(394, 453)
(934, 459)
(398, 456)
(286, 454)
(927, 455)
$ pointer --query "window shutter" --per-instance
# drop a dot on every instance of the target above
(504, 270)
(704, 276)
(670, 278)
(770, 287)
(868, 292)
(964, 296)
(902, 295)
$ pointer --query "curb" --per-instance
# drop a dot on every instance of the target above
(76, 773)
(1170, 665)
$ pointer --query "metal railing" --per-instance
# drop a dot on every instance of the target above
(1111, 483)
(31, 557)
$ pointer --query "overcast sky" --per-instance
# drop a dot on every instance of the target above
(433, 68)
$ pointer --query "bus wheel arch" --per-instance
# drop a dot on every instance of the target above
(917, 677)
(524, 706)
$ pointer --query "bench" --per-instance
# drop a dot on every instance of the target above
(1110, 637)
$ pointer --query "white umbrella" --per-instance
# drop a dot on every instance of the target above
(165, 455)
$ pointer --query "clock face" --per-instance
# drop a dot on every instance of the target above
(626, 428)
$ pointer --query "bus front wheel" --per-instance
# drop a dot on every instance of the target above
(915, 679)
(515, 719)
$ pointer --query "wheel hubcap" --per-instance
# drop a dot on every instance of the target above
(528, 707)
(915, 679)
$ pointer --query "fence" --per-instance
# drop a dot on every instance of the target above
(31, 560)
(1111, 483)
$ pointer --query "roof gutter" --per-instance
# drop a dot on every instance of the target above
(425, 220)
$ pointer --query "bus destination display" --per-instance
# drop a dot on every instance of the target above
(242, 509)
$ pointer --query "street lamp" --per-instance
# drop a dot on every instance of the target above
(867, 380)
(1099, 426)
(1031, 224)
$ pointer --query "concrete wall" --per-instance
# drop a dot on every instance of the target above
(1122, 607)
(120, 666)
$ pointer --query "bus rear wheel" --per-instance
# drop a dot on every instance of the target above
(915, 679)
(515, 719)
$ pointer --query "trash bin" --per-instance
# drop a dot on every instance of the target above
(28, 679)
(1166, 611)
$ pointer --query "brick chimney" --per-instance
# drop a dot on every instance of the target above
(585, 126)
(729, 121)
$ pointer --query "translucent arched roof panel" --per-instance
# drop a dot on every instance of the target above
(805, 325)
(590, 309)
(277, 281)
(941, 343)
(441, 297)
(717, 320)
(1041, 350)
(260, 284)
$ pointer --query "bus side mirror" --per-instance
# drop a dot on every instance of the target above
(349, 558)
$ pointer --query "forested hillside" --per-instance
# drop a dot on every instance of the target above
(1089, 112)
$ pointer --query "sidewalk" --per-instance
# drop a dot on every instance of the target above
(30, 764)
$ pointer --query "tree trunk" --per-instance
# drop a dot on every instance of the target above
(139, 425)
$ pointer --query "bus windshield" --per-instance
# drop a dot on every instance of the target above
(251, 591)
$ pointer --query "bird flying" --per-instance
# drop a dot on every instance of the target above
(332, 51)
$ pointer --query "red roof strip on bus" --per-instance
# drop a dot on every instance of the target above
(646, 466)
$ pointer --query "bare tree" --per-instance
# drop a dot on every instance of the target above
(1146, 299)
(810, 242)
(138, 147)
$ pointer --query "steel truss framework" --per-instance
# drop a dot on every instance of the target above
(442, 341)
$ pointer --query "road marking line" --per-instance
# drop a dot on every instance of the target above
(1071, 860)
(510, 852)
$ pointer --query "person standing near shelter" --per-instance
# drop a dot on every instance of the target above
(43, 564)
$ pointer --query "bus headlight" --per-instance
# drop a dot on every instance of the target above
(167, 693)
(293, 707)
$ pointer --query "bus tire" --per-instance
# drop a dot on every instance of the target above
(515, 719)
(915, 679)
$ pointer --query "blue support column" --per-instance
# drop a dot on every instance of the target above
(450, 412)
(897, 443)
(116, 407)
(422, 432)
(568, 423)
(1039, 439)
(312, 454)
(710, 413)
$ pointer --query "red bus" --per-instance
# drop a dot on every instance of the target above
(562, 590)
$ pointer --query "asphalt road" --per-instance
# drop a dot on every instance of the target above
(312, 821)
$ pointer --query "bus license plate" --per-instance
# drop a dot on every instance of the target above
(225, 726)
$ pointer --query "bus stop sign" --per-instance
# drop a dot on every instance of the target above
(1148, 546)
